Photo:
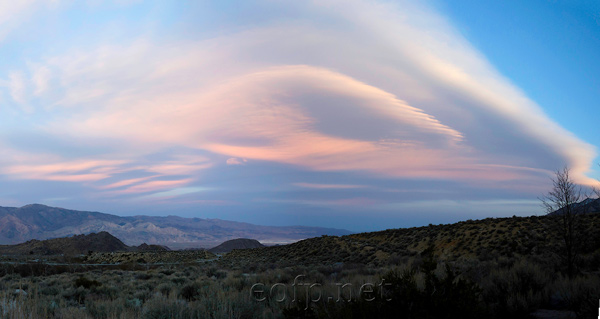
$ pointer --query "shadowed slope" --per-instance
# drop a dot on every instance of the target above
(240, 243)
(76, 245)
(483, 239)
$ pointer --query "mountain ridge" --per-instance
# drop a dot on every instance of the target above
(586, 206)
(37, 221)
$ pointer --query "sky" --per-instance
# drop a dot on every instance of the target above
(362, 115)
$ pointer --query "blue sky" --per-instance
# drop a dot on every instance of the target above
(547, 48)
(362, 115)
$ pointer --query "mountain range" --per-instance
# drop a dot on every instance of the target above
(35, 221)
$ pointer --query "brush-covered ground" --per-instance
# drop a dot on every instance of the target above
(492, 268)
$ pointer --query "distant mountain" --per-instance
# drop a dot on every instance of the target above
(240, 243)
(40, 222)
(75, 245)
(586, 206)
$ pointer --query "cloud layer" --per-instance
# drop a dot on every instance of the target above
(388, 91)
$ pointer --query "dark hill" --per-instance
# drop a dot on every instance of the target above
(240, 243)
(146, 247)
(76, 245)
(587, 206)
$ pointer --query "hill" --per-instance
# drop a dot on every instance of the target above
(101, 242)
(75, 245)
(240, 243)
(481, 239)
(146, 247)
(41, 222)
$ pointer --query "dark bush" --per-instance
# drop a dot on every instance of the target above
(214, 272)
(143, 276)
(190, 291)
(86, 283)
(443, 296)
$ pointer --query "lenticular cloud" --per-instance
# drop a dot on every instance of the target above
(386, 89)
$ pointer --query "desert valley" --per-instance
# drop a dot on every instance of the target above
(492, 268)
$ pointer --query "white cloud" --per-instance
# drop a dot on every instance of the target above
(13, 13)
(445, 57)
(236, 161)
(17, 87)
(40, 78)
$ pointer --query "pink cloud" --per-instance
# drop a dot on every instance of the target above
(66, 166)
(154, 186)
(174, 168)
(69, 171)
(409, 106)
(126, 182)
(262, 107)
(94, 173)
(74, 177)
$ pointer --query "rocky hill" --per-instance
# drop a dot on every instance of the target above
(240, 243)
(41, 222)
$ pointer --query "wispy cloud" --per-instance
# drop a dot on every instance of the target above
(343, 202)
(126, 182)
(154, 186)
(17, 89)
(40, 78)
(328, 186)
(173, 193)
(73, 171)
